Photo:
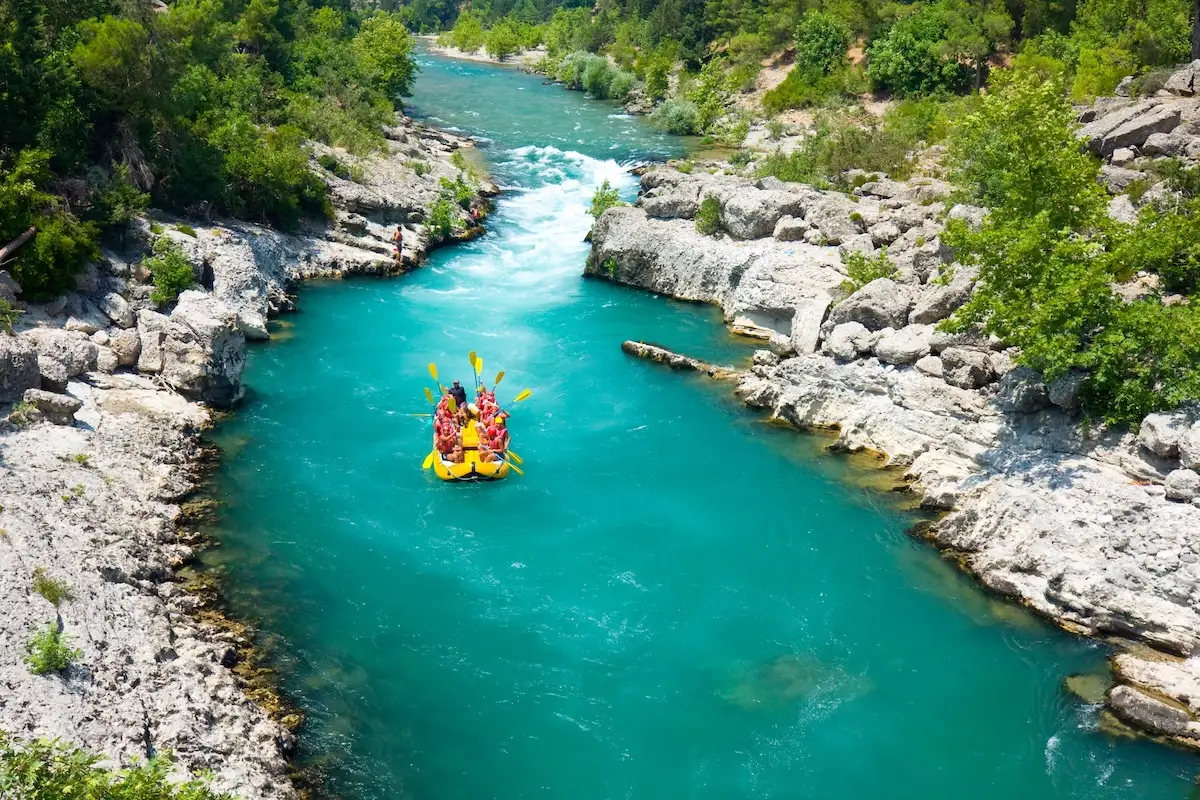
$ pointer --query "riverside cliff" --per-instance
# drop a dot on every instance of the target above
(102, 448)
(1093, 528)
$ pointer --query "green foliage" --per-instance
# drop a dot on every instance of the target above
(23, 414)
(911, 59)
(170, 270)
(383, 50)
(47, 264)
(708, 216)
(1166, 243)
(467, 34)
(503, 39)
(8, 316)
(605, 197)
(54, 590)
(657, 75)
(1180, 177)
(81, 458)
(821, 43)
(421, 168)
(1017, 152)
(440, 221)
(803, 88)
(862, 269)
(186, 230)
(50, 651)
(457, 191)
(1099, 71)
(50, 770)
(709, 94)
(685, 167)
(679, 117)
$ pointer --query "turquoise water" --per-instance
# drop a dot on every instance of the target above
(676, 601)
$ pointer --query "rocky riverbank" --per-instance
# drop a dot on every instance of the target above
(109, 393)
(1094, 528)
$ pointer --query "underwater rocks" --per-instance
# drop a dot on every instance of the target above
(1093, 528)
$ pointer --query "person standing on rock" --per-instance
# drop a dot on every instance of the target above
(398, 240)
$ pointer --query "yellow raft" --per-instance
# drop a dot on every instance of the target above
(471, 469)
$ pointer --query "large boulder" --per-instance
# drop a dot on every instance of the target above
(152, 332)
(57, 408)
(905, 346)
(204, 352)
(1120, 209)
(54, 375)
(847, 341)
(1066, 390)
(966, 369)
(117, 308)
(937, 301)
(1189, 447)
(1183, 485)
(1136, 131)
(18, 367)
(1117, 179)
(831, 217)
(677, 202)
(127, 345)
(790, 229)
(1184, 82)
(749, 213)
(1166, 144)
(880, 304)
(1023, 391)
(1161, 432)
(73, 349)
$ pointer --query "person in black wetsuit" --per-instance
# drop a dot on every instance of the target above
(459, 394)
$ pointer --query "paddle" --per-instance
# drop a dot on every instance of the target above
(515, 457)
(516, 469)
(499, 377)
(429, 396)
(428, 462)
(478, 368)
(450, 404)
(433, 372)
(418, 415)
(471, 357)
(524, 394)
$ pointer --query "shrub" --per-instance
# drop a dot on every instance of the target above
(658, 72)
(708, 217)
(8, 316)
(621, 85)
(421, 168)
(54, 590)
(1099, 71)
(597, 77)
(675, 116)
(53, 769)
(170, 270)
(909, 59)
(50, 651)
(685, 167)
(740, 158)
(862, 269)
(441, 219)
(605, 197)
(330, 163)
(775, 129)
(821, 42)
(186, 230)
(457, 190)
(23, 414)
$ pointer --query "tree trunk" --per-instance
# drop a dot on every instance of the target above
(15, 245)
(1195, 29)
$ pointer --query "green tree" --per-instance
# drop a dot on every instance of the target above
(384, 51)
(821, 43)
(503, 39)
(467, 34)
(910, 58)
(975, 29)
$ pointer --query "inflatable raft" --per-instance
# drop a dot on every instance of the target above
(471, 468)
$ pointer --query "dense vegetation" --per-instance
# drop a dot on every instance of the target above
(198, 106)
(1049, 255)
(840, 48)
(42, 770)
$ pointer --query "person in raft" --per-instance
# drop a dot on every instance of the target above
(458, 393)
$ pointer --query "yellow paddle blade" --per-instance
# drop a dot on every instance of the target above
(428, 462)
(478, 365)
(471, 357)
(515, 468)
(429, 395)
(515, 457)
(499, 377)
(450, 404)
(418, 415)
(524, 393)
(433, 371)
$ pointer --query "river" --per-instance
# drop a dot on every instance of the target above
(676, 600)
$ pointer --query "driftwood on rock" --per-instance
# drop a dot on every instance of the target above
(16, 244)
(674, 360)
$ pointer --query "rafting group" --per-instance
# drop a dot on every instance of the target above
(471, 439)
(491, 432)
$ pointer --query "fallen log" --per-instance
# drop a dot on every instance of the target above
(16, 244)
